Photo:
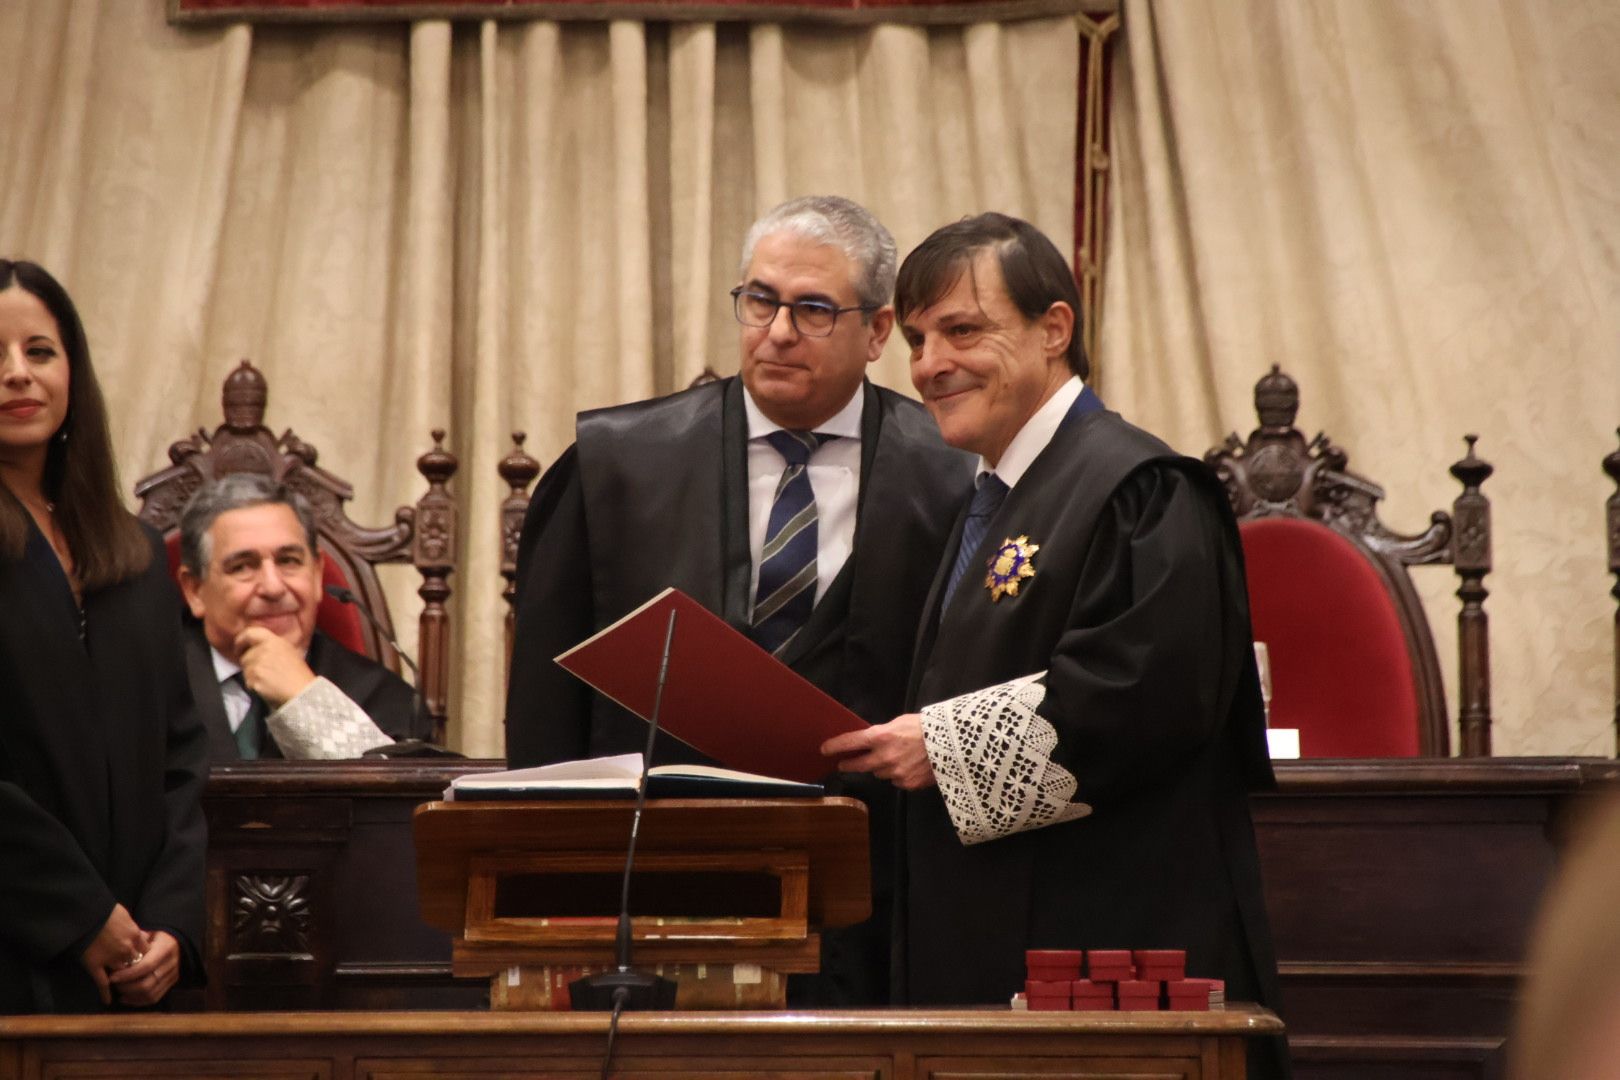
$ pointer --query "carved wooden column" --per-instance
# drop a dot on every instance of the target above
(434, 553)
(1471, 556)
(1611, 465)
(518, 469)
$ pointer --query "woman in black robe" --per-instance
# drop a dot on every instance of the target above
(102, 839)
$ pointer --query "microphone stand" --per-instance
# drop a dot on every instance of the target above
(623, 987)
(347, 596)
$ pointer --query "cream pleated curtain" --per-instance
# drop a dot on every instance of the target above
(480, 227)
(1414, 207)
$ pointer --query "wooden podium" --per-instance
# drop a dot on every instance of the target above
(727, 898)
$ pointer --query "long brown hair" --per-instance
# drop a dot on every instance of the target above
(81, 478)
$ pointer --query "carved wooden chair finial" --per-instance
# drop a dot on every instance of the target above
(518, 469)
(244, 397)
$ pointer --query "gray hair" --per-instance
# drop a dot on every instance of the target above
(234, 492)
(840, 223)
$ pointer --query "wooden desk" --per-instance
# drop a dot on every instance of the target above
(1400, 894)
(875, 1045)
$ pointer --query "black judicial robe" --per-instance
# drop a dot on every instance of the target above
(1139, 614)
(655, 494)
(384, 696)
(101, 776)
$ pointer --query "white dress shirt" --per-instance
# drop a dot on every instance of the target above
(835, 478)
(236, 697)
(1033, 437)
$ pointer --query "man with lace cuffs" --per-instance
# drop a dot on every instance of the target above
(1078, 775)
(265, 681)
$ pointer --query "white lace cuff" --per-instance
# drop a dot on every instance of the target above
(323, 722)
(992, 758)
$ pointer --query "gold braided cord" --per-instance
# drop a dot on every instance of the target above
(1097, 39)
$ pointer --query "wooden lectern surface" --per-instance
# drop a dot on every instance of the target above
(833, 832)
(875, 1045)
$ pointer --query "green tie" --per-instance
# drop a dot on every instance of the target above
(250, 732)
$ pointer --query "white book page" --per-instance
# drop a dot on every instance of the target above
(594, 772)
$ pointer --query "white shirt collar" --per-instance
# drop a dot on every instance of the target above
(223, 668)
(846, 422)
(1032, 438)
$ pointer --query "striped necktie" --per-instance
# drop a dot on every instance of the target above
(986, 501)
(787, 564)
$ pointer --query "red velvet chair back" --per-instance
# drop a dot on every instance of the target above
(337, 620)
(1353, 665)
(1341, 671)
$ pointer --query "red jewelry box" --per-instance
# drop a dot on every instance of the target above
(1047, 996)
(1088, 996)
(1052, 965)
(1160, 965)
(1139, 995)
(1110, 965)
(1187, 995)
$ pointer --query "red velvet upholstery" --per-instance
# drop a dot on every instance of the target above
(335, 619)
(1341, 670)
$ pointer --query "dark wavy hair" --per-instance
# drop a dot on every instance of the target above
(81, 478)
(1031, 266)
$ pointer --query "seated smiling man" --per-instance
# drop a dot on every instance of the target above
(266, 683)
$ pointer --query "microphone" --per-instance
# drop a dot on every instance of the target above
(623, 988)
(420, 722)
(346, 596)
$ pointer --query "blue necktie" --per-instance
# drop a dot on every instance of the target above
(986, 501)
(787, 564)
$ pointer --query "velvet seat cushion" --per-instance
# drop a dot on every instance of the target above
(334, 618)
(1341, 670)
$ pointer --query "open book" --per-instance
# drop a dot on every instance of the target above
(618, 778)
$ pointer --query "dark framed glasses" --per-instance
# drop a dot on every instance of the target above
(812, 318)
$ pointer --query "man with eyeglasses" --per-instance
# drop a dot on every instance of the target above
(797, 501)
(265, 682)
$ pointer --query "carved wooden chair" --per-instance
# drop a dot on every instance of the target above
(422, 535)
(1352, 659)
(518, 469)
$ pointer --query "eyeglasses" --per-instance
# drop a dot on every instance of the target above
(812, 318)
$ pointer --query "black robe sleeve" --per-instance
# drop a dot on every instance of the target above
(1138, 682)
(547, 709)
(51, 898)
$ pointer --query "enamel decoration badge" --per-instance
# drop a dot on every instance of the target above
(1013, 562)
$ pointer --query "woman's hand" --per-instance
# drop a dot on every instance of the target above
(118, 943)
(148, 979)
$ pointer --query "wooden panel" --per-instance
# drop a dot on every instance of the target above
(592, 1070)
(182, 1069)
(1400, 893)
(1399, 1059)
(1108, 1068)
(830, 1045)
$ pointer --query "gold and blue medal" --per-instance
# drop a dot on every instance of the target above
(1012, 564)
